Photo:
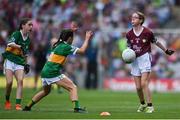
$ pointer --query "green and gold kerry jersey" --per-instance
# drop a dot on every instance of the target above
(16, 55)
(57, 59)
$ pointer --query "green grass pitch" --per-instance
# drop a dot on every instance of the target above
(121, 105)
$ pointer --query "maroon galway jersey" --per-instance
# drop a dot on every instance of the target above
(142, 43)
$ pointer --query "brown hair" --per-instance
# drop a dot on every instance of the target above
(23, 21)
(141, 16)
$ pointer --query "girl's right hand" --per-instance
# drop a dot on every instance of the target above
(89, 34)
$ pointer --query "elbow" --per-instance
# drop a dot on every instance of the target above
(81, 51)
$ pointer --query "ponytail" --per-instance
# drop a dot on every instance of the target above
(64, 36)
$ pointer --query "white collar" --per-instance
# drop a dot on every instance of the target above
(24, 37)
(137, 34)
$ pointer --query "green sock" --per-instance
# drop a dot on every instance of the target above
(18, 101)
(31, 103)
(76, 104)
(7, 97)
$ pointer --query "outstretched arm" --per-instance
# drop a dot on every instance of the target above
(83, 48)
(167, 51)
(160, 46)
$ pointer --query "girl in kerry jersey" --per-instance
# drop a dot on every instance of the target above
(50, 73)
(15, 61)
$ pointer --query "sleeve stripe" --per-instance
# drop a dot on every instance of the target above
(11, 43)
(75, 51)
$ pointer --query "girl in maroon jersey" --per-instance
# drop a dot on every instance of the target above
(139, 39)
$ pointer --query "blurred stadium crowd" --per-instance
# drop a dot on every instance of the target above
(109, 19)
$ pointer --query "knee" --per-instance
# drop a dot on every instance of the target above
(139, 88)
(144, 84)
(9, 83)
(46, 92)
(73, 87)
(20, 83)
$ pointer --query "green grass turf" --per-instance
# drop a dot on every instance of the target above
(120, 104)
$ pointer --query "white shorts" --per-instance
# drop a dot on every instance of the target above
(12, 66)
(49, 81)
(141, 64)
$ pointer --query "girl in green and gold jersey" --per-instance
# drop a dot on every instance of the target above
(50, 73)
(15, 61)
